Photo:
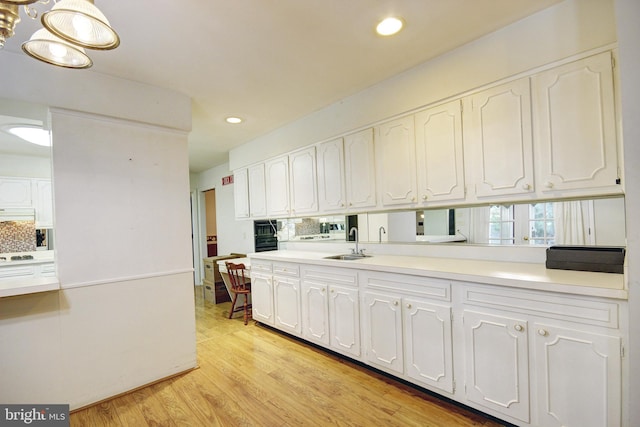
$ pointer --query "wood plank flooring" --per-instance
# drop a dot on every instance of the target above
(254, 376)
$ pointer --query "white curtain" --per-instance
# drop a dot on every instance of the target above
(569, 223)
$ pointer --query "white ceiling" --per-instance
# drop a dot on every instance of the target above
(274, 61)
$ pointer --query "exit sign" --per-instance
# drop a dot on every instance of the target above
(226, 180)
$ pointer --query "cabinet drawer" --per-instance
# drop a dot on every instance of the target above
(260, 266)
(334, 276)
(409, 285)
(208, 271)
(574, 309)
(286, 269)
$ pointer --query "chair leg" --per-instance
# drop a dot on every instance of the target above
(233, 305)
(246, 312)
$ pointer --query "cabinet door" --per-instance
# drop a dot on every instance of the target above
(331, 192)
(257, 194)
(579, 377)
(383, 330)
(15, 192)
(315, 312)
(396, 162)
(277, 183)
(303, 183)
(428, 345)
(43, 199)
(359, 168)
(496, 363)
(241, 193)
(498, 132)
(344, 320)
(439, 156)
(575, 125)
(286, 296)
(262, 298)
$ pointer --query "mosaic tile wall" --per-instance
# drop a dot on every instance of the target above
(17, 236)
(308, 226)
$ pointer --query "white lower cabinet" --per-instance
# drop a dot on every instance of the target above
(330, 309)
(579, 377)
(315, 312)
(262, 297)
(497, 363)
(286, 297)
(407, 328)
(531, 358)
(383, 330)
(543, 359)
(428, 346)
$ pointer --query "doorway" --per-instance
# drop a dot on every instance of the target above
(210, 221)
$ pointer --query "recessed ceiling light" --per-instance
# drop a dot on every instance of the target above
(233, 120)
(389, 26)
(33, 134)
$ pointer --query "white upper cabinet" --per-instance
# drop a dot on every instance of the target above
(575, 126)
(277, 183)
(360, 172)
(241, 193)
(257, 195)
(43, 202)
(498, 139)
(439, 153)
(15, 192)
(330, 163)
(396, 162)
(303, 183)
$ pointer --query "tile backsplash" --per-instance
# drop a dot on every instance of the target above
(17, 236)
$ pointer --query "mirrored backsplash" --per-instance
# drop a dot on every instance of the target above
(573, 222)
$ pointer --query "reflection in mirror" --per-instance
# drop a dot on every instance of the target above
(572, 222)
(319, 228)
(26, 206)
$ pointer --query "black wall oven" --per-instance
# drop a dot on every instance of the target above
(265, 235)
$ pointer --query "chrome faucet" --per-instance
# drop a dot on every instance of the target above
(380, 231)
(354, 231)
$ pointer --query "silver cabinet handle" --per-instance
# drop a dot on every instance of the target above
(395, 303)
(408, 305)
(519, 328)
(542, 332)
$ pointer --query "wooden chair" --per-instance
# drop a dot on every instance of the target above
(240, 285)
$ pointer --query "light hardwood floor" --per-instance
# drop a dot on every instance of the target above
(254, 376)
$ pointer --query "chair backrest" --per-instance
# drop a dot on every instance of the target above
(236, 276)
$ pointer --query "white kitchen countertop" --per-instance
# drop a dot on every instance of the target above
(513, 274)
(31, 285)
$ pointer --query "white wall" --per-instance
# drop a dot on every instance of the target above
(560, 31)
(125, 316)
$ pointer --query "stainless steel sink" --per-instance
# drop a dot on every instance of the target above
(348, 257)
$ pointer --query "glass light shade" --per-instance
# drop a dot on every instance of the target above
(81, 23)
(19, 2)
(50, 49)
(30, 133)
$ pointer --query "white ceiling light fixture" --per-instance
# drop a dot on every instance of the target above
(30, 133)
(389, 26)
(234, 120)
(69, 27)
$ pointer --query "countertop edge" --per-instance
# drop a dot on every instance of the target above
(28, 286)
(507, 274)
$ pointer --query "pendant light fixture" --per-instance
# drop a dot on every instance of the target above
(53, 50)
(69, 27)
(81, 23)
